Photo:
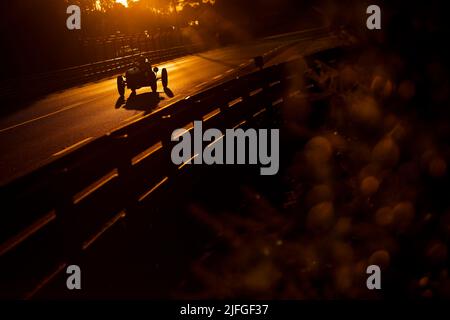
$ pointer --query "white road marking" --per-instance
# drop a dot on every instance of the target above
(45, 115)
(229, 71)
(201, 84)
(218, 77)
(75, 145)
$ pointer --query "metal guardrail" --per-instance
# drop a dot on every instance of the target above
(58, 211)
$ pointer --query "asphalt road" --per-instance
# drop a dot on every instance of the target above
(63, 121)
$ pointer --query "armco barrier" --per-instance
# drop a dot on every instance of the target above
(58, 211)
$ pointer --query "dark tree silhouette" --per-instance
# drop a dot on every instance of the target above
(35, 37)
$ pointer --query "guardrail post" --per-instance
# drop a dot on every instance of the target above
(124, 168)
(65, 219)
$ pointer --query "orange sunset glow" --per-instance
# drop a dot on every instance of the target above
(124, 2)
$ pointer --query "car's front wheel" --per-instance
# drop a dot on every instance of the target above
(153, 82)
(121, 86)
(164, 78)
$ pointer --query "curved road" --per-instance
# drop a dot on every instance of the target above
(63, 121)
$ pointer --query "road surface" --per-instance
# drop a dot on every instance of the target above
(63, 121)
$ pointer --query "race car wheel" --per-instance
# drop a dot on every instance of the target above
(120, 86)
(153, 83)
(164, 78)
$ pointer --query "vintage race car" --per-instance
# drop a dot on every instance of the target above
(141, 76)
